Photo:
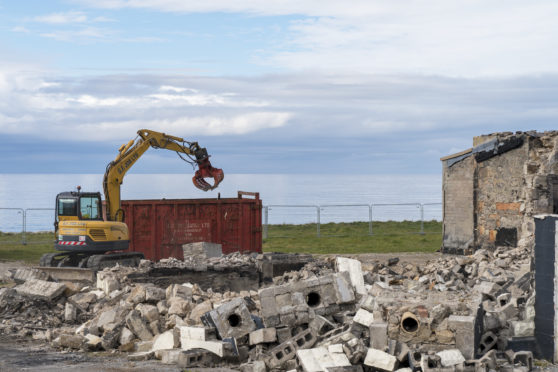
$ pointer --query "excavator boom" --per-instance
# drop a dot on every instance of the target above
(129, 153)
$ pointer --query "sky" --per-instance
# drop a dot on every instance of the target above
(305, 86)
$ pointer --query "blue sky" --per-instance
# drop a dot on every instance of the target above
(271, 87)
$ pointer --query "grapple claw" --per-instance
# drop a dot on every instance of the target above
(207, 171)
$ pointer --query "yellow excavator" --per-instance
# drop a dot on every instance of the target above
(84, 238)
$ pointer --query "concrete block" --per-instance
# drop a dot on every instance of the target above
(318, 359)
(137, 295)
(93, 342)
(199, 310)
(263, 335)
(126, 336)
(70, 312)
(364, 318)
(40, 289)
(450, 358)
(464, 330)
(335, 348)
(286, 351)
(107, 283)
(136, 324)
(169, 356)
(192, 333)
(149, 312)
(69, 341)
(178, 306)
(381, 360)
(179, 290)
(232, 319)
(523, 358)
(487, 342)
(319, 296)
(203, 249)
(256, 366)
(166, 340)
(196, 358)
(354, 268)
(154, 294)
(522, 328)
(378, 336)
(487, 288)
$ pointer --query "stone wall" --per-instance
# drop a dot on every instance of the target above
(458, 205)
(493, 191)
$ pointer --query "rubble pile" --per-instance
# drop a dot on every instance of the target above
(453, 314)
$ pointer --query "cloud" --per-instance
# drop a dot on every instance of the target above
(20, 29)
(61, 18)
(472, 38)
(276, 108)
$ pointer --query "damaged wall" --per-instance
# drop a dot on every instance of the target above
(492, 192)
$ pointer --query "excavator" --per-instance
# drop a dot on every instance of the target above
(87, 240)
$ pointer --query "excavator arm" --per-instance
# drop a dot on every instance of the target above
(129, 153)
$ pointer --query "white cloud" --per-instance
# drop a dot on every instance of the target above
(62, 18)
(20, 29)
(468, 38)
(76, 35)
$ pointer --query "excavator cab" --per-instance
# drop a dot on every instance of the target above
(83, 236)
(78, 206)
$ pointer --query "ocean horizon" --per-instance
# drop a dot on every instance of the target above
(37, 192)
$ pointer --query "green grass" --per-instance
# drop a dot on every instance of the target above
(12, 249)
(349, 238)
(352, 238)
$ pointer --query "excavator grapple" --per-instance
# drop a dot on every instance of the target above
(207, 171)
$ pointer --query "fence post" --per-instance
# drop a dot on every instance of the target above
(370, 219)
(266, 220)
(318, 218)
(422, 219)
(24, 223)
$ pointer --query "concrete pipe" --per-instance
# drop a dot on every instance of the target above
(409, 322)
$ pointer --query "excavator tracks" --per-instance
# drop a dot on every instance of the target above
(90, 260)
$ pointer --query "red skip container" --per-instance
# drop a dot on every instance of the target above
(159, 228)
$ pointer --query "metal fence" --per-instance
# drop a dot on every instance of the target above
(22, 221)
(372, 214)
(17, 222)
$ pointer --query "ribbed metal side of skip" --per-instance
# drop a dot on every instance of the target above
(159, 228)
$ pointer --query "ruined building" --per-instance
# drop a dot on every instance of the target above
(492, 191)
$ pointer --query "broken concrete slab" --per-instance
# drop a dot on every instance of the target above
(166, 340)
(263, 335)
(451, 357)
(380, 359)
(354, 268)
(40, 289)
(137, 325)
(23, 274)
(319, 359)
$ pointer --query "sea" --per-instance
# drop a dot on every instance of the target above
(28, 199)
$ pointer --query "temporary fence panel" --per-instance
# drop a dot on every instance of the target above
(13, 223)
(379, 218)
(333, 214)
(291, 215)
(159, 228)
